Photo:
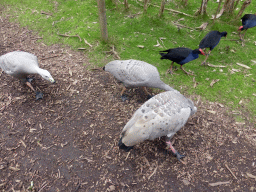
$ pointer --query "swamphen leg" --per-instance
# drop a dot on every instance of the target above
(169, 70)
(185, 71)
(206, 58)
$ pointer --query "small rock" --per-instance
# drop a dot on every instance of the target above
(111, 188)
(186, 182)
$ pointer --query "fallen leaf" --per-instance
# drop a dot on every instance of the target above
(111, 188)
(14, 168)
(140, 46)
(251, 176)
(210, 111)
(219, 183)
(242, 65)
(2, 184)
(213, 82)
(70, 72)
(31, 130)
(240, 123)
(186, 182)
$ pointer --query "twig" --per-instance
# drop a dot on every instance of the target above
(231, 171)
(127, 156)
(43, 12)
(63, 35)
(86, 42)
(153, 172)
(221, 66)
(97, 69)
(50, 57)
(44, 185)
(174, 11)
(219, 183)
(231, 39)
(78, 186)
(179, 25)
(113, 52)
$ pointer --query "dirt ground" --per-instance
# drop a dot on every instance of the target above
(68, 140)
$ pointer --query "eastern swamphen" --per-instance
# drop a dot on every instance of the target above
(180, 55)
(135, 73)
(248, 21)
(162, 115)
(20, 64)
(211, 40)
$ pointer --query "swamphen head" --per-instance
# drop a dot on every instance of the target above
(198, 51)
(224, 34)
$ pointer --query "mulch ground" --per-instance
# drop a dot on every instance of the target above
(68, 140)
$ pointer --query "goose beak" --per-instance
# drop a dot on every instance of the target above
(52, 80)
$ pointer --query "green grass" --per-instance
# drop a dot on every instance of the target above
(129, 28)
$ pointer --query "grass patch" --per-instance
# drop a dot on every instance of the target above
(129, 28)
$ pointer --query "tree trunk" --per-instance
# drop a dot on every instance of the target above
(185, 2)
(115, 2)
(218, 9)
(162, 8)
(145, 6)
(126, 4)
(229, 6)
(246, 3)
(103, 20)
(202, 10)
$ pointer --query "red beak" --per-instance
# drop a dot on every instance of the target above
(201, 51)
(240, 28)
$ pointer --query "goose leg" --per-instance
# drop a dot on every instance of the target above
(203, 63)
(123, 96)
(39, 95)
(179, 156)
(149, 96)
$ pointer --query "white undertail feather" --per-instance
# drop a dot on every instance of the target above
(162, 115)
(135, 73)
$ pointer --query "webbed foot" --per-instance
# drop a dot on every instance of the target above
(124, 97)
(149, 96)
(39, 95)
(29, 79)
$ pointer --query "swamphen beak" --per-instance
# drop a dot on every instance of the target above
(201, 51)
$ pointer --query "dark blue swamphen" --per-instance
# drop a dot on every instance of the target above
(248, 21)
(211, 40)
(180, 55)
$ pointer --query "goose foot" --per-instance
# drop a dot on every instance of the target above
(176, 153)
(149, 96)
(29, 79)
(124, 97)
(39, 95)
(179, 156)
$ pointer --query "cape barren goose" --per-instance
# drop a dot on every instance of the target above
(162, 115)
(211, 40)
(180, 55)
(135, 73)
(20, 64)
